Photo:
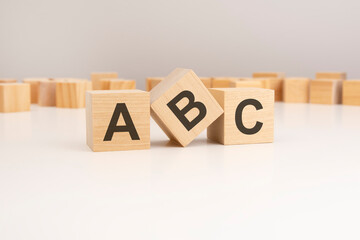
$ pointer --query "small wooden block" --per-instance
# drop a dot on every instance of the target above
(248, 116)
(14, 97)
(268, 75)
(34, 87)
(325, 91)
(150, 85)
(7, 80)
(117, 84)
(351, 92)
(118, 120)
(71, 93)
(155, 82)
(296, 90)
(96, 77)
(182, 106)
(331, 75)
(247, 83)
(207, 81)
(47, 93)
(276, 84)
(222, 82)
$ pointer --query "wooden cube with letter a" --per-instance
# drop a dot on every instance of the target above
(117, 120)
(248, 116)
(182, 106)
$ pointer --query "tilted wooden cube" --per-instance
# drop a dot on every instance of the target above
(152, 82)
(34, 87)
(248, 116)
(70, 93)
(296, 90)
(247, 83)
(117, 84)
(47, 93)
(182, 106)
(117, 120)
(325, 91)
(96, 77)
(14, 97)
(222, 82)
(351, 92)
(331, 75)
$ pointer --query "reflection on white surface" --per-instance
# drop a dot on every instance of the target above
(305, 185)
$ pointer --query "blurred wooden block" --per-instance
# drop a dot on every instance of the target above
(331, 75)
(247, 84)
(182, 106)
(96, 77)
(70, 93)
(34, 87)
(7, 80)
(351, 92)
(207, 81)
(325, 91)
(118, 120)
(47, 93)
(150, 85)
(275, 84)
(222, 82)
(117, 84)
(296, 90)
(248, 116)
(268, 75)
(14, 97)
(155, 82)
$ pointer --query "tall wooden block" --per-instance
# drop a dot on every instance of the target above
(351, 92)
(222, 82)
(117, 120)
(248, 116)
(296, 90)
(14, 97)
(7, 80)
(47, 93)
(247, 83)
(150, 84)
(182, 106)
(268, 75)
(117, 84)
(96, 77)
(71, 93)
(331, 75)
(325, 91)
(34, 87)
(207, 81)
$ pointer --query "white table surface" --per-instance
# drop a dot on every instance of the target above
(305, 185)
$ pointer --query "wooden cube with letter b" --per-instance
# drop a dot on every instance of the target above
(182, 106)
(248, 116)
(117, 120)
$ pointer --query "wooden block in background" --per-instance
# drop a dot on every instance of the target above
(296, 90)
(351, 92)
(117, 120)
(276, 84)
(155, 82)
(34, 87)
(182, 106)
(96, 77)
(7, 80)
(247, 83)
(70, 93)
(47, 93)
(268, 75)
(117, 84)
(207, 81)
(14, 97)
(150, 85)
(331, 75)
(248, 116)
(222, 82)
(325, 91)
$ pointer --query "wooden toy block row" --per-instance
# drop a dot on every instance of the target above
(325, 91)
(117, 84)
(96, 78)
(7, 80)
(14, 97)
(351, 92)
(209, 82)
(331, 75)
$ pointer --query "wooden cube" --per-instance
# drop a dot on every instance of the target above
(222, 82)
(268, 75)
(96, 77)
(182, 106)
(47, 93)
(351, 92)
(207, 81)
(155, 82)
(150, 84)
(34, 87)
(325, 91)
(247, 83)
(331, 75)
(117, 84)
(14, 97)
(248, 116)
(296, 90)
(275, 84)
(71, 93)
(7, 80)
(117, 120)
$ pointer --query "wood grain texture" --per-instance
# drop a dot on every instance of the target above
(351, 92)
(222, 82)
(7, 80)
(150, 85)
(251, 83)
(276, 84)
(331, 75)
(71, 93)
(34, 87)
(100, 106)
(175, 83)
(47, 93)
(96, 77)
(268, 75)
(14, 97)
(225, 131)
(296, 90)
(117, 84)
(325, 91)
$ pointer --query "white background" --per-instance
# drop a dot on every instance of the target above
(305, 185)
(71, 38)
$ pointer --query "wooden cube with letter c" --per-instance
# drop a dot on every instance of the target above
(117, 120)
(248, 116)
(182, 106)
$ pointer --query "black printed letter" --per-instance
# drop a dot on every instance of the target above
(238, 116)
